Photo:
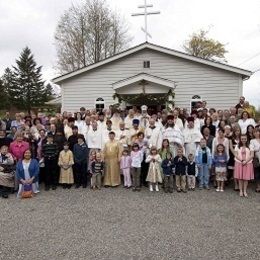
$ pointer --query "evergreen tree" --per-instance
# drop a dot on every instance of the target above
(2, 95)
(6, 83)
(28, 89)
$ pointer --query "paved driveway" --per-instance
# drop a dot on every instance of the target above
(115, 223)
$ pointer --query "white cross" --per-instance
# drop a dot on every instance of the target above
(145, 13)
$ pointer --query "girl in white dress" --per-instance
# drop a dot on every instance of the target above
(154, 173)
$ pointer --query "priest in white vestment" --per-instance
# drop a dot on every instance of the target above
(173, 134)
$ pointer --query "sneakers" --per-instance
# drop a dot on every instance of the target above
(156, 187)
(221, 190)
(151, 187)
(217, 189)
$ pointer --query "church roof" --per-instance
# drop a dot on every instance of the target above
(146, 45)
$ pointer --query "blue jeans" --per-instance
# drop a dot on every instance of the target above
(203, 175)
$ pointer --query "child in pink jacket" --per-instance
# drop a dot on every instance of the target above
(125, 165)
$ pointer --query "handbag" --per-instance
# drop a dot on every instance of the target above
(256, 162)
(27, 191)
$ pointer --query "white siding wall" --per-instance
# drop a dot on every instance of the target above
(220, 88)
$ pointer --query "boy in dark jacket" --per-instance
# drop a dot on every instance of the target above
(192, 172)
(180, 162)
(80, 152)
(50, 154)
(168, 167)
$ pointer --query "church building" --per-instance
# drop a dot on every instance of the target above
(152, 75)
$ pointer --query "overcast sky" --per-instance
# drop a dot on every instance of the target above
(233, 22)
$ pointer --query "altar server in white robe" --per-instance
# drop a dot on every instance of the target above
(192, 137)
(94, 137)
(101, 121)
(153, 134)
(123, 135)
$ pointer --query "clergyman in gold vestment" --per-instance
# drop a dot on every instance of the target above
(112, 154)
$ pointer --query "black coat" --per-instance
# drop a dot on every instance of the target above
(73, 139)
(167, 166)
(180, 165)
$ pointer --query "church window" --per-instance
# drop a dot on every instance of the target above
(147, 64)
(100, 104)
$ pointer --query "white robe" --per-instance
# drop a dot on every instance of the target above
(159, 124)
(123, 137)
(116, 119)
(67, 131)
(80, 124)
(174, 135)
(101, 125)
(94, 138)
(85, 129)
(154, 137)
(192, 137)
(128, 122)
(178, 122)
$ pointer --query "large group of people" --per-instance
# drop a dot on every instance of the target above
(137, 147)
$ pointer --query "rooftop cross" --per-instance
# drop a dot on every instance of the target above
(145, 14)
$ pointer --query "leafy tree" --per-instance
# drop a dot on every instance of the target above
(28, 88)
(200, 45)
(88, 33)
